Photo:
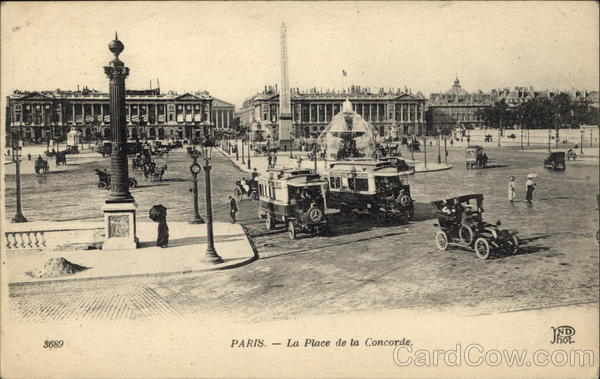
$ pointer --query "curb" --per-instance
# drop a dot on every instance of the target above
(434, 170)
(148, 275)
(235, 163)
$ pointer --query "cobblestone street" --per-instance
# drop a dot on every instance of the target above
(359, 267)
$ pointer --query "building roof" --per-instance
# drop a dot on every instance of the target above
(221, 103)
(85, 94)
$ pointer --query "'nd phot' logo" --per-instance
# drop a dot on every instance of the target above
(563, 334)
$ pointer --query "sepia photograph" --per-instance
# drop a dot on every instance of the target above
(331, 189)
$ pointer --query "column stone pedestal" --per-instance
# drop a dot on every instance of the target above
(119, 226)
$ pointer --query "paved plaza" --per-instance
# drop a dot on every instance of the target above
(359, 267)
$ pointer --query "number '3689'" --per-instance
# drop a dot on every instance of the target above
(53, 344)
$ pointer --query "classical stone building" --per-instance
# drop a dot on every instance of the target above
(456, 108)
(222, 113)
(39, 115)
(389, 111)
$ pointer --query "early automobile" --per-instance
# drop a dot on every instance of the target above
(460, 222)
(104, 180)
(476, 157)
(555, 161)
(294, 197)
(247, 188)
(374, 186)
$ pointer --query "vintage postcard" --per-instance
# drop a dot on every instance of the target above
(299, 189)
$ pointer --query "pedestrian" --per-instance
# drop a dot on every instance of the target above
(269, 161)
(158, 213)
(28, 156)
(511, 189)
(274, 159)
(530, 187)
(233, 209)
(452, 142)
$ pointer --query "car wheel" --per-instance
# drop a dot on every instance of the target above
(291, 230)
(482, 248)
(101, 185)
(237, 193)
(466, 234)
(441, 240)
(132, 183)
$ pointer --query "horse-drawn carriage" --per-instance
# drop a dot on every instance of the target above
(460, 222)
(153, 172)
(104, 180)
(414, 146)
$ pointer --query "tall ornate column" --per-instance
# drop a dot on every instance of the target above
(119, 208)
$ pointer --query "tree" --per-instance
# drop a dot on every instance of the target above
(497, 116)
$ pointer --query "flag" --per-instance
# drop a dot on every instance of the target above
(344, 73)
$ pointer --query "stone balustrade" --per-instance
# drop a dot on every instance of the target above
(30, 239)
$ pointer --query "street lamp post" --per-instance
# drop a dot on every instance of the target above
(243, 153)
(425, 150)
(211, 255)
(521, 139)
(499, 135)
(439, 143)
(412, 148)
(445, 151)
(18, 217)
(237, 154)
(549, 132)
(195, 170)
(249, 148)
(581, 144)
(527, 136)
(291, 147)
(315, 150)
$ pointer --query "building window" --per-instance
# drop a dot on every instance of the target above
(305, 113)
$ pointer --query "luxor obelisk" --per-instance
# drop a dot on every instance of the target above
(285, 106)
(119, 207)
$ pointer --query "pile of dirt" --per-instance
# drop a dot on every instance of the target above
(56, 267)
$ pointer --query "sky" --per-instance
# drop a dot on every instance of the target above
(232, 49)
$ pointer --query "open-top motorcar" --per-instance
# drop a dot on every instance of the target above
(294, 197)
(460, 222)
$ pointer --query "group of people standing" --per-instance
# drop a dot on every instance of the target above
(529, 188)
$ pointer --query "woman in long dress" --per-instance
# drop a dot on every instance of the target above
(530, 186)
(511, 189)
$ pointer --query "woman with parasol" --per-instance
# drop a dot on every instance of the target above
(158, 213)
(530, 187)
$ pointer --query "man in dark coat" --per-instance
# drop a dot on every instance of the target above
(233, 209)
